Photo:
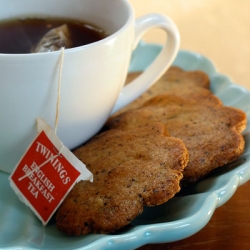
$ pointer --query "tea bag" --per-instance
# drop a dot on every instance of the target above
(54, 40)
(48, 170)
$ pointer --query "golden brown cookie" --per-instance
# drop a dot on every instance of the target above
(176, 82)
(131, 169)
(210, 131)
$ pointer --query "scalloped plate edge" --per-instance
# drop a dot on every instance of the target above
(178, 229)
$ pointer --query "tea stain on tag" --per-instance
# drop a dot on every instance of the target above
(36, 235)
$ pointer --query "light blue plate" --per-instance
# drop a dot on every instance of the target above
(175, 220)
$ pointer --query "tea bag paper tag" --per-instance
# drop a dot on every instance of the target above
(46, 173)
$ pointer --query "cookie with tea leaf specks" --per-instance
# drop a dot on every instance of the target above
(210, 131)
(175, 81)
(131, 169)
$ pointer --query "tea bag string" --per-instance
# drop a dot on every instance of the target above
(56, 119)
(59, 90)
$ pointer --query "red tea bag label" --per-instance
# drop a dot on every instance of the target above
(46, 173)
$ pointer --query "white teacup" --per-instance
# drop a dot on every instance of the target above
(93, 75)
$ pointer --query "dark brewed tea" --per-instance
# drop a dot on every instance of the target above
(21, 35)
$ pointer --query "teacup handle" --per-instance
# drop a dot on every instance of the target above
(163, 61)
